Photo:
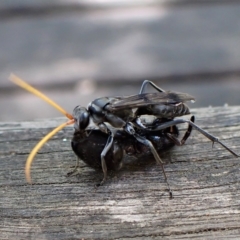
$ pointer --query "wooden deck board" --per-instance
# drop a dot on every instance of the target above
(134, 202)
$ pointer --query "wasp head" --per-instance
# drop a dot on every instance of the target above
(81, 117)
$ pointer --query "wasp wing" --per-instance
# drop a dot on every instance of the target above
(145, 99)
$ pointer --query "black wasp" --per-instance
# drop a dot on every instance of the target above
(125, 113)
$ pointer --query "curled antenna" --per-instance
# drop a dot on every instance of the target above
(18, 81)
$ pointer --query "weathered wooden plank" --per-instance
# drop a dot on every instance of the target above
(51, 5)
(133, 203)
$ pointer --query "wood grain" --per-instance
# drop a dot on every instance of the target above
(134, 202)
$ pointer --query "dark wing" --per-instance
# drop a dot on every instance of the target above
(145, 99)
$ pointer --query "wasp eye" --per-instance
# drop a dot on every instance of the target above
(81, 116)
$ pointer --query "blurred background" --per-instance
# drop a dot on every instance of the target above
(77, 50)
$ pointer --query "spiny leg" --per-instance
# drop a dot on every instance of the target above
(185, 137)
(138, 121)
(103, 154)
(206, 134)
(129, 129)
(75, 169)
(156, 156)
(146, 82)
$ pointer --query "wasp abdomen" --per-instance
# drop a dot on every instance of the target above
(169, 111)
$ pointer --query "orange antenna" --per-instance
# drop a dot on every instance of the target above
(39, 145)
(31, 89)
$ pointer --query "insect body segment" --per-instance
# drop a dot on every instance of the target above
(169, 111)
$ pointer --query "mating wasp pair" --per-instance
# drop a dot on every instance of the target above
(120, 128)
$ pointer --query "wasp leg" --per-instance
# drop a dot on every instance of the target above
(185, 137)
(75, 170)
(129, 129)
(146, 82)
(156, 156)
(103, 154)
(206, 134)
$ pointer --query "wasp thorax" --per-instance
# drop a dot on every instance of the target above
(81, 117)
